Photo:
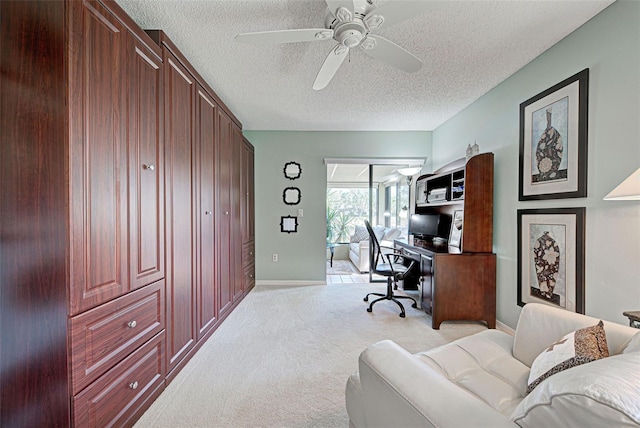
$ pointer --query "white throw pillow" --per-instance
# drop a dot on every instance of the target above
(379, 232)
(576, 348)
(391, 234)
(633, 345)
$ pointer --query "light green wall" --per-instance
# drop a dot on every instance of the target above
(302, 255)
(609, 45)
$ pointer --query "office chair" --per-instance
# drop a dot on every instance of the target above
(387, 264)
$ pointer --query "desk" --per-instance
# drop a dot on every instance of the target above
(455, 286)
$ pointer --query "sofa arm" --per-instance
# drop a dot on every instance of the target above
(400, 390)
(540, 325)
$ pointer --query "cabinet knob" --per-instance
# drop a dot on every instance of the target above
(133, 385)
(250, 276)
(250, 253)
(207, 213)
(226, 213)
(149, 167)
(132, 324)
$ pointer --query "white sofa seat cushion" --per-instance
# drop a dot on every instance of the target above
(483, 365)
(602, 393)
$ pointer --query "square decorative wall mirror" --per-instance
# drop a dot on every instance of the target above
(292, 170)
(288, 224)
(291, 196)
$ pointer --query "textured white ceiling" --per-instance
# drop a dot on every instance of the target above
(468, 47)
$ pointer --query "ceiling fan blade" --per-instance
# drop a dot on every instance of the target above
(387, 51)
(334, 5)
(285, 36)
(394, 12)
(330, 66)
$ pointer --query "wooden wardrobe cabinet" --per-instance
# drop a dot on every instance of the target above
(247, 220)
(112, 212)
(82, 298)
(203, 146)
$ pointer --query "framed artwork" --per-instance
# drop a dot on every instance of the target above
(292, 170)
(291, 196)
(551, 257)
(455, 236)
(553, 141)
(288, 224)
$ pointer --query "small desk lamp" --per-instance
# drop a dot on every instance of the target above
(628, 190)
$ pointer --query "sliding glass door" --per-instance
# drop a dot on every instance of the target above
(359, 190)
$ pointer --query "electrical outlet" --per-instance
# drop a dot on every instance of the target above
(274, 257)
(300, 212)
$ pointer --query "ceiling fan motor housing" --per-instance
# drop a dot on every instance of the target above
(350, 34)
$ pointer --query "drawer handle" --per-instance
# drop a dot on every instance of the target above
(149, 167)
(133, 385)
(132, 324)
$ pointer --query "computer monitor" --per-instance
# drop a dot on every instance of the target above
(424, 225)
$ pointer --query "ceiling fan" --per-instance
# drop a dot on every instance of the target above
(350, 23)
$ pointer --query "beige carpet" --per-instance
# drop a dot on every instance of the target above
(283, 357)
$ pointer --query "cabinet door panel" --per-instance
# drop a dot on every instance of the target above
(207, 281)
(426, 271)
(98, 182)
(179, 103)
(226, 258)
(146, 204)
(236, 198)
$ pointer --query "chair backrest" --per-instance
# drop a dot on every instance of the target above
(375, 253)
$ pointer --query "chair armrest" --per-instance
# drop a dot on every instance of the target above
(400, 390)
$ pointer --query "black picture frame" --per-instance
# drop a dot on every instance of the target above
(553, 141)
(551, 248)
(292, 170)
(289, 224)
(291, 195)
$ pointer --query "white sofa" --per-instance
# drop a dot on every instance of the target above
(481, 380)
(359, 243)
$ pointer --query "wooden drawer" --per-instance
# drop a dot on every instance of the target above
(249, 277)
(105, 335)
(248, 253)
(122, 394)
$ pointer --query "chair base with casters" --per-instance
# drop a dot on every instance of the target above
(390, 296)
(390, 268)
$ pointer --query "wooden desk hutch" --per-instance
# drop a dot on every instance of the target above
(458, 283)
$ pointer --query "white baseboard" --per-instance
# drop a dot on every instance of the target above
(287, 283)
(503, 327)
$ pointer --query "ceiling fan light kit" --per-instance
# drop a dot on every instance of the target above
(350, 22)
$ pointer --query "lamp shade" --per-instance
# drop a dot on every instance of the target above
(628, 190)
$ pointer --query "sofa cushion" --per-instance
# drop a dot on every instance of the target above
(573, 349)
(603, 393)
(482, 365)
(360, 234)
